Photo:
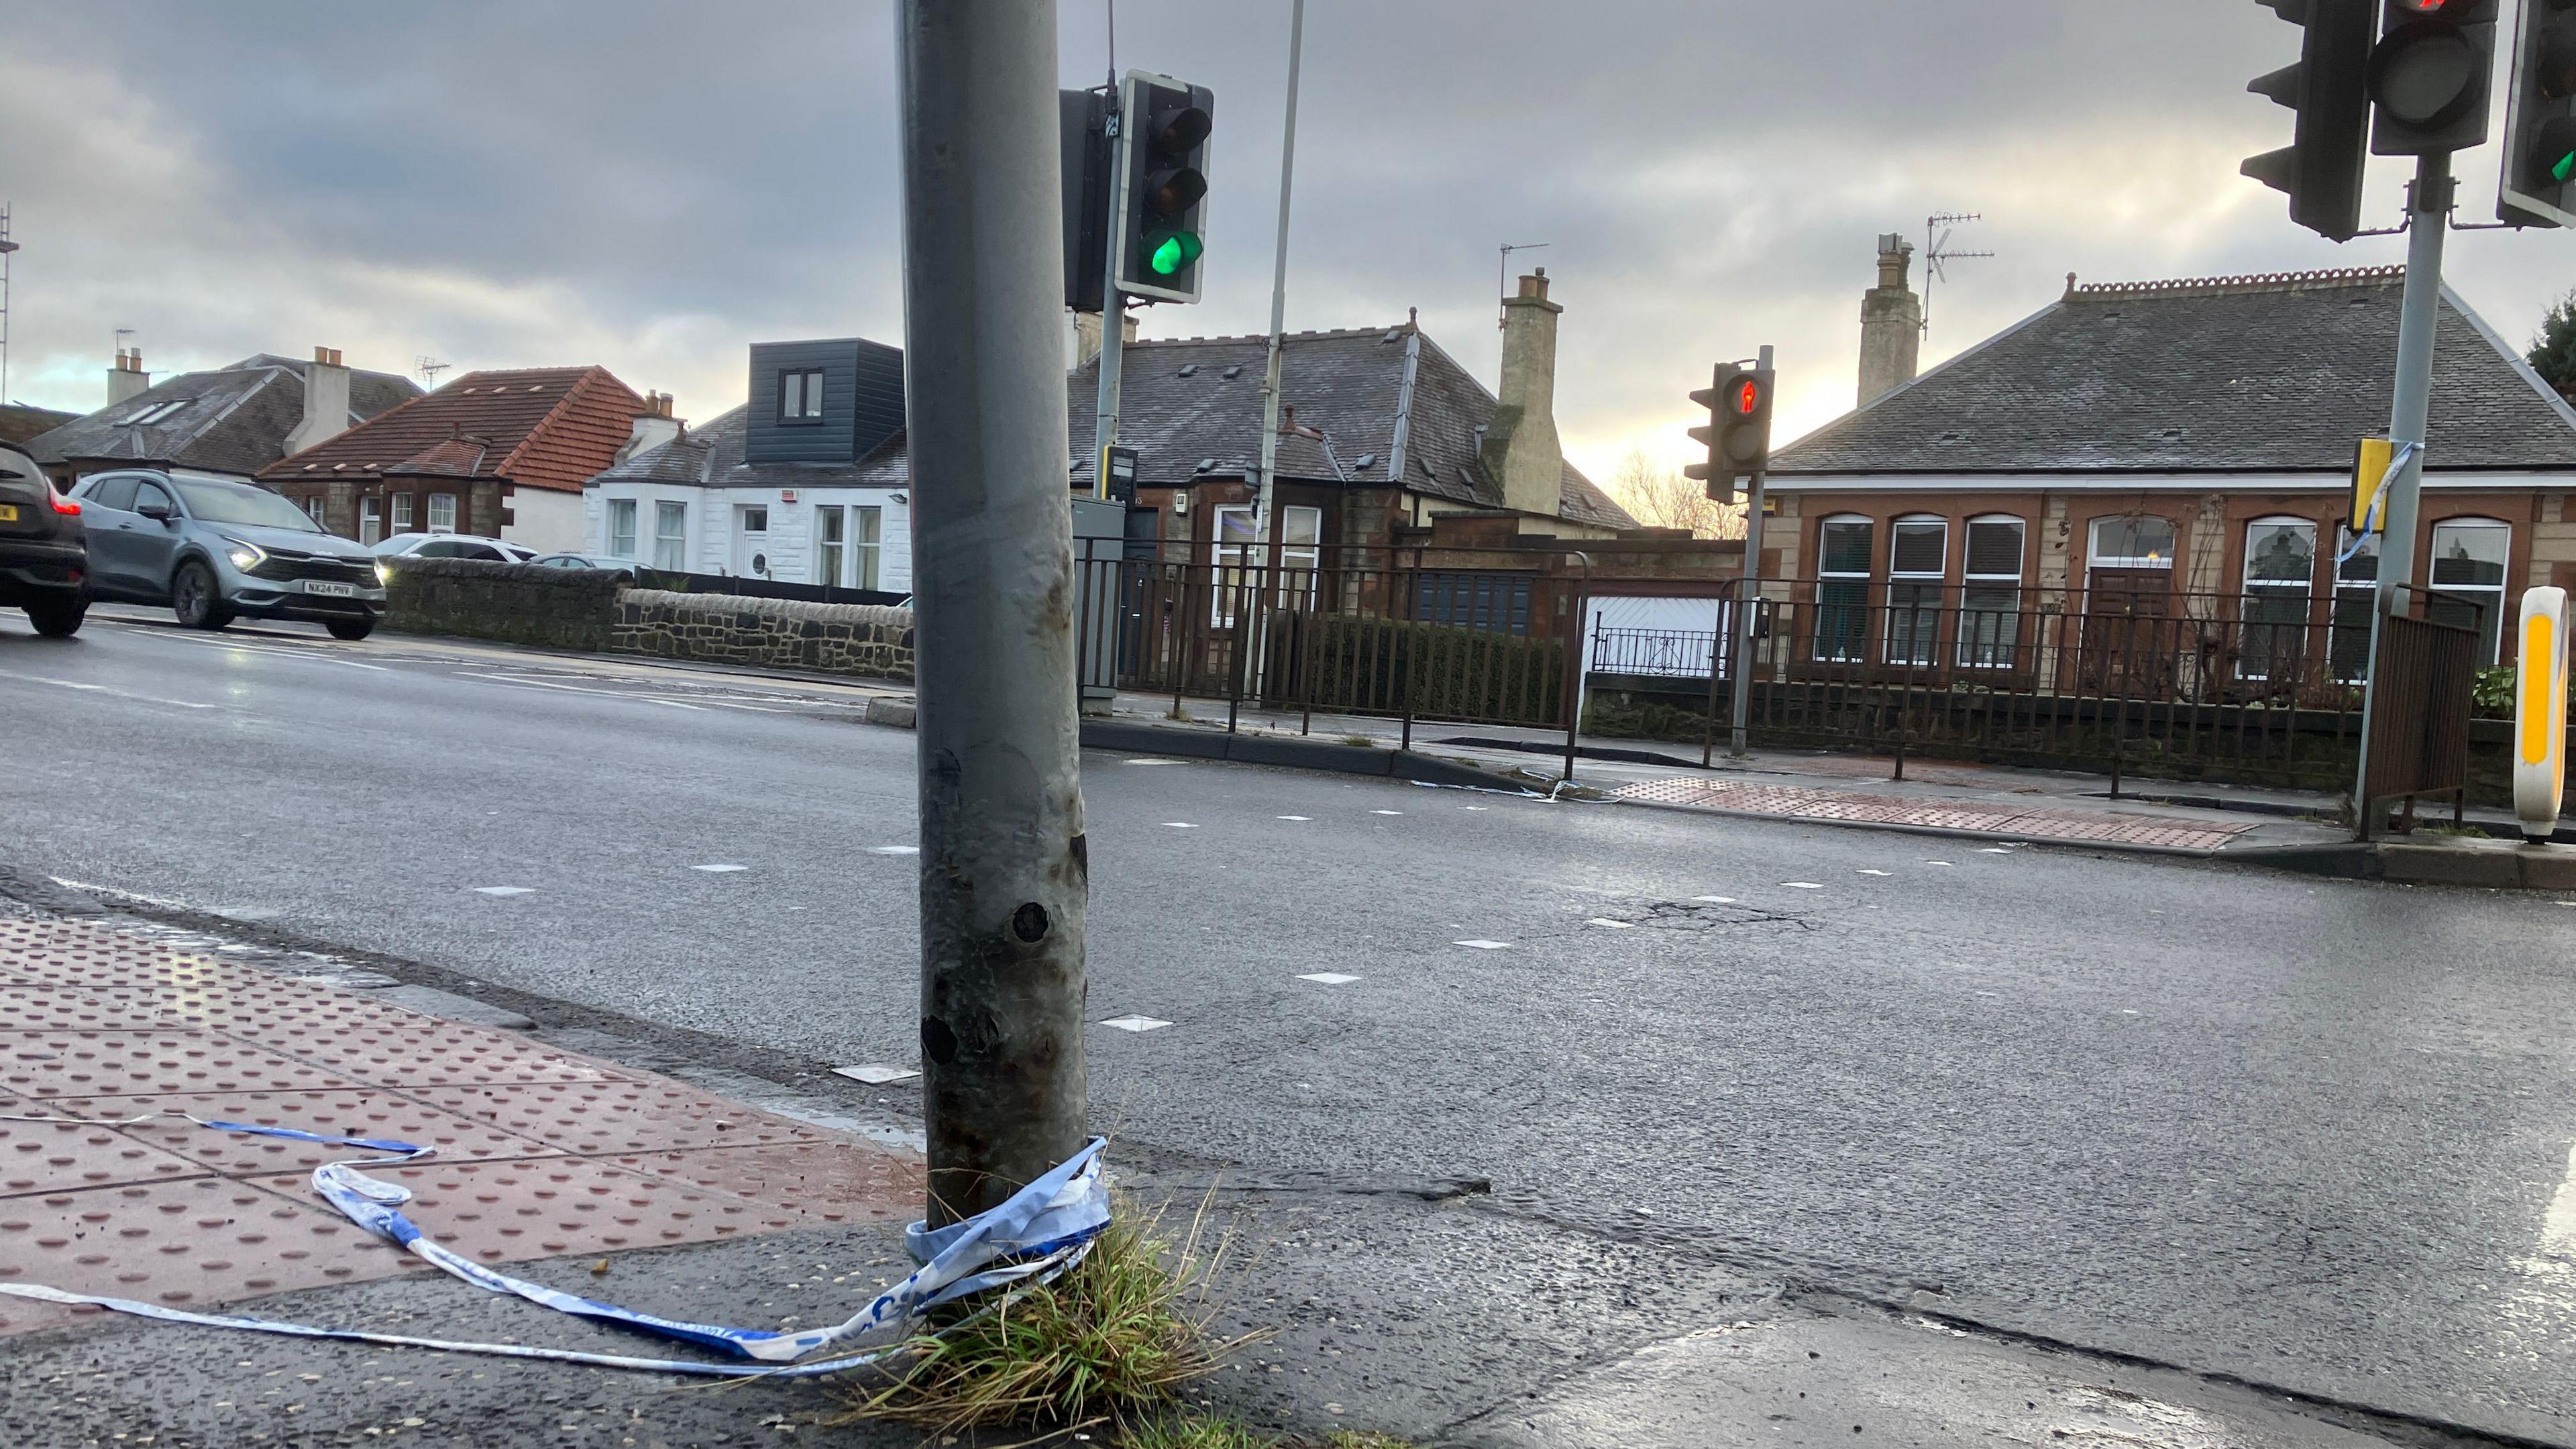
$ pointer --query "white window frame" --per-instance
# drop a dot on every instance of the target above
(442, 513)
(1906, 590)
(2356, 593)
(1841, 648)
(402, 513)
(670, 548)
(313, 508)
(1990, 635)
(2094, 558)
(1232, 558)
(867, 545)
(2274, 631)
(831, 544)
(371, 520)
(2490, 618)
(620, 542)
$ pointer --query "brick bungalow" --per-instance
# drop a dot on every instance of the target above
(503, 454)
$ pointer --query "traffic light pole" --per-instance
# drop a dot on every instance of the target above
(2428, 219)
(1748, 599)
(1004, 873)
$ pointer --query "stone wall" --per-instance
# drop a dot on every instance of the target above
(516, 603)
(862, 639)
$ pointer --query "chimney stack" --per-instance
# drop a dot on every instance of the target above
(326, 402)
(1521, 450)
(653, 427)
(1891, 323)
(127, 377)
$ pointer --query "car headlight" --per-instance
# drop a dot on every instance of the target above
(384, 576)
(245, 556)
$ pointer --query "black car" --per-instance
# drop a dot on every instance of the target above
(44, 552)
(217, 549)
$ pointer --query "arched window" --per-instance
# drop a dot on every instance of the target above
(2280, 576)
(2137, 542)
(1918, 550)
(1844, 546)
(2469, 558)
(1990, 595)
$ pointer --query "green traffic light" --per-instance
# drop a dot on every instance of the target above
(1175, 252)
(2564, 168)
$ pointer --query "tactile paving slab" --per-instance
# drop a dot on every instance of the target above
(186, 1243)
(821, 1182)
(37, 1065)
(616, 1117)
(350, 1112)
(497, 1211)
(540, 1151)
(1806, 802)
(46, 1157)
(421, 1051)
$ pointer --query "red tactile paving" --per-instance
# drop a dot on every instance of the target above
(1993, 817)
(540, 1151)
(41, 1157)
(185, 1243)
(352, 1112)
(420, 1051)
(44, 1064)
(622, 1116)
(498, 1211)
(819, 1181)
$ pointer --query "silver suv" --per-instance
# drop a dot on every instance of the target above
(216, 550)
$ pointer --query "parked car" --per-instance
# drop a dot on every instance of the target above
(215, 550)
(585, 561)
(43, 550)
(453, 545)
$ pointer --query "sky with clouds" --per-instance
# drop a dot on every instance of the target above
(654, 185)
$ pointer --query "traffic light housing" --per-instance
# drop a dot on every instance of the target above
(1160, 226)
(2539, 187)
(2328, 90)
(2429, 76)
(1083, 132)
(1738, 432)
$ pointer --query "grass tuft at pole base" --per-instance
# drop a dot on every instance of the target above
(1110, 1344)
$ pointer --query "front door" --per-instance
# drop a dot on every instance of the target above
(2129, 645)
(751, 541)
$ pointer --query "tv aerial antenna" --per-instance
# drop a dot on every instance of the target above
(1937, 253)
(429, 368)
(1503, 274)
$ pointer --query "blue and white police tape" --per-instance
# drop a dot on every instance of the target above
(1043, 1230)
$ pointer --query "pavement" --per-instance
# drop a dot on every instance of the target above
(2032, 1137)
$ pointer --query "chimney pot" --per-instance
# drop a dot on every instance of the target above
(1891, 323)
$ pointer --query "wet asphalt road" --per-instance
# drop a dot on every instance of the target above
(2315, 1134)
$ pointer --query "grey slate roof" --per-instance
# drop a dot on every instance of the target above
(2242, 374)
(1348, 384)
(711, 457)
(236, 420)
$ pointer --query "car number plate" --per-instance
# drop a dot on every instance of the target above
(335, 591)
(8, 512)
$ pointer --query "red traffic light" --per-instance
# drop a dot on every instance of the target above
(1744, 399)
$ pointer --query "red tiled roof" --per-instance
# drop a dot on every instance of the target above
(541, 427)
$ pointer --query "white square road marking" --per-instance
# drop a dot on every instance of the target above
(876, 1074)
(1329, 978)
(1613, 925)
(1936, 862)
(1292, 817)
(1178, 825)
(1716, 900)
(1482, 945)
(1386, 812)
(504, 890)
(1803, 885)
(1480, 807)
(719, 869)
(1994, 850)
(1867, 871)
(894, 850)
(1136, 1023)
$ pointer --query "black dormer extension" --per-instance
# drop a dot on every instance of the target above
(833, 401)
